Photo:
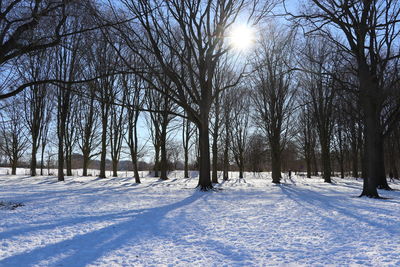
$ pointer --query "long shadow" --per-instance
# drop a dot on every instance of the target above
(87, 248)
(92, 245)
(308, 199)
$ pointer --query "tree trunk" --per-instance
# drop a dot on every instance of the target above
(226, 154)
(103, 149)
(315, 163)
(371, 150)
(164, 160)
(156, 161)
(382, 181)
(341, 163)
(326, 162)
(85, 165)
(33, 160)
(204, 164)
(354, 162)
(115, 168)
(135, 169)
(61, 157)
(215, 158)
(42, 159)
(308, 165)
(186, 163)
(69, 163)
(275, 161)
(241, 167)
(14, 167)
(135, 153)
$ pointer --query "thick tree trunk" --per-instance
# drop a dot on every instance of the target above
(14, 167)
(156, 161)
(33, 159)
(69, 164)
(164, 160)
(241, 167)
(276, 167)
(204, 164)
(61, 157)
(308, 165)
(115, 168)
(326, 162)
(240, 172)
(85, 165)
(341, 163)
(371, 150)
(136, 169)
(276, 162)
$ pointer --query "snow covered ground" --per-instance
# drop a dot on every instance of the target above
(114, 222)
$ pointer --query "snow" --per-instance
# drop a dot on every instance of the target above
(87, 221)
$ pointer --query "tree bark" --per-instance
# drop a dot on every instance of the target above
(33, 159)
(69, 163)
(61, 157)
(85, 165)
(164, 159)
(215, 157)
(275, 160)
(372, 138)
(14, 168)
(326, 162)
(308, 167)
(103, 147)
(115, 168)
(204, 164)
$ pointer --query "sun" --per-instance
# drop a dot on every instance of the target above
(241, 37)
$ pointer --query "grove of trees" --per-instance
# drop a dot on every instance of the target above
(317, 91)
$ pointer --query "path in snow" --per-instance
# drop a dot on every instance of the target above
(114, 222)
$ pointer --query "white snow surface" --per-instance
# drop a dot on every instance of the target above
(86, 221)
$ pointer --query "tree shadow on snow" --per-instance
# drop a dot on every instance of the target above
(83, 249)
(322, 205)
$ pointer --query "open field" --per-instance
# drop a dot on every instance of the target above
(86, 221)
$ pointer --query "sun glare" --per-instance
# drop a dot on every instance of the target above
(241, 37)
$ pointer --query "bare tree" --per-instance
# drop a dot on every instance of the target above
(13, 134)
(320, 90)
(88, 123)
(36, 100)
(307, 137)
(192, 33)
(274, 92)
(161, 108)
(117, 126)
(370, 32)
(30, 26)
(67, 64)
(240, 122)
(135, 101)
(104, 60)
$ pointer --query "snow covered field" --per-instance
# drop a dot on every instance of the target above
(114, 222)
